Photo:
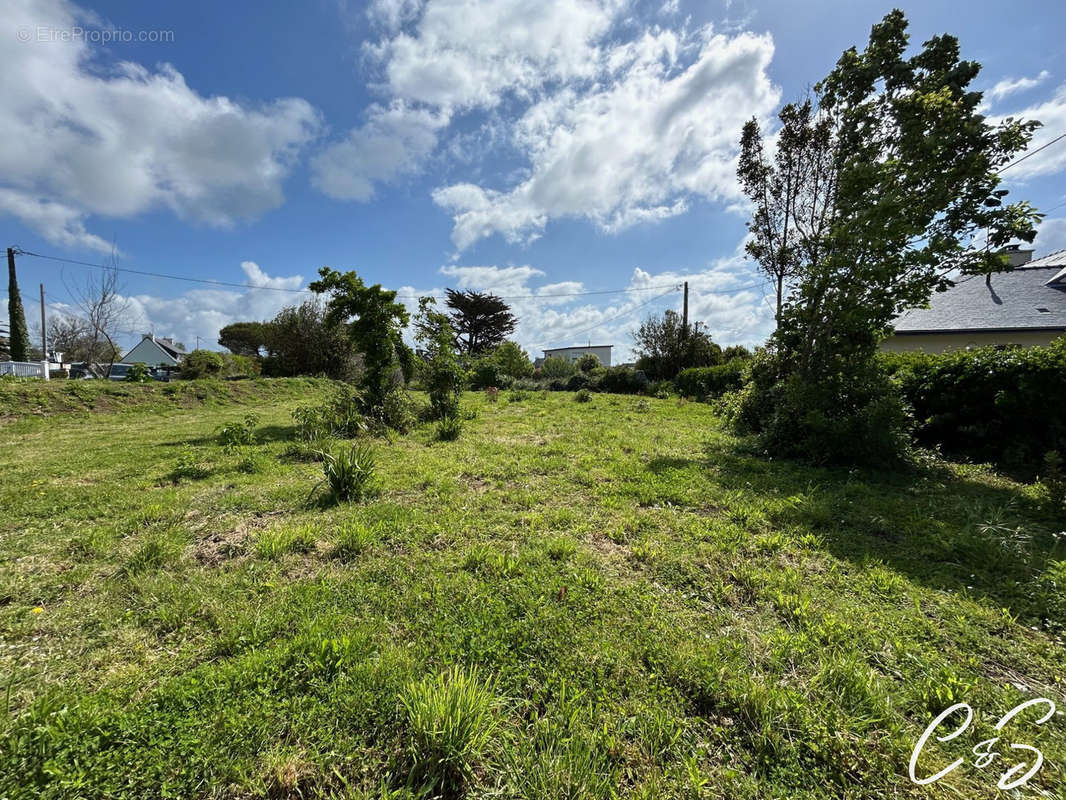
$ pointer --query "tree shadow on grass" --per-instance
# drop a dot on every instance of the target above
(949, 531)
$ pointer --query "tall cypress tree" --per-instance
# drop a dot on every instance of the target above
(19, 334)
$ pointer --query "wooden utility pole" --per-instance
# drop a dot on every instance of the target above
(44, 340)
(684, 314)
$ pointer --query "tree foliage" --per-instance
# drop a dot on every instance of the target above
(481, 320)
(442, 374)
(512, 360)
(664, 347)
(18, 342)
(374, 322)
(881, 189)
(245, 338)
(298, 341)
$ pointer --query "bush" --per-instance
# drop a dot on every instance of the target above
(986, 404)
(703, 382)
(661, 389)
(488, 373)
(577, 382)
(449, 428)
(583, 396)
(624, 380)
(235, 435)
(556, 367)
(451, 720)
(349, 473)
(587, 363)
(342, 415)
(138, 373)
(853, 419)
(201, 364)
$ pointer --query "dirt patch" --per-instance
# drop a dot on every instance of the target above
(211, 548)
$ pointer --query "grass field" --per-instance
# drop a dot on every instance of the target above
(572, 600)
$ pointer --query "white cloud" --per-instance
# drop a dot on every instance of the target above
(1051, 236)
(1052, 113)
(546, 319)
(634, 148)
(81, 139)
(1009, 86)
(394, 141)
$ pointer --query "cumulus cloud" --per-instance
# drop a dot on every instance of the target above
(1051, 236)
(636, 148)
(82, 138)
(1009, 86)
(727, 296)
(1052, 114)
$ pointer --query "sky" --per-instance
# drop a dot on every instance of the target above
(576, 157)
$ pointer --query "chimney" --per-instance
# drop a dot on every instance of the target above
(1016, 256)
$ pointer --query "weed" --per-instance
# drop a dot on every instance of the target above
(235, 435)
(349, 473)
(273, 543)
(451, 720)
(189, 466)
(353, 539)
(583, 396)
(449, 428)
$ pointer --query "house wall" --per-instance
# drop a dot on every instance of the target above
(943, 342)
(148, 352)
(574, 353)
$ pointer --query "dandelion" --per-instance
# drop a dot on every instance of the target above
(38, 610)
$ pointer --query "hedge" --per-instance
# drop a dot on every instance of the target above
(704, 382)
(1002, 406)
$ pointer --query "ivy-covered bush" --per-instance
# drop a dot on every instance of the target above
(1000, 406)
(702, 382)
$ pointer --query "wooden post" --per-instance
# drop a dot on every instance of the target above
(44, 341)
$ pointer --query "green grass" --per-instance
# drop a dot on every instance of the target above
(571, 600)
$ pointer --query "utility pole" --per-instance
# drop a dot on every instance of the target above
(684, 315)
(44, 340)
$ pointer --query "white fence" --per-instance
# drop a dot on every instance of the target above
(22, 369)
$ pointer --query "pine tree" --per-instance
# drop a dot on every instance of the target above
(19, 334)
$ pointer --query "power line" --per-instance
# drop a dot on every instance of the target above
(211, 282)
(1033, 153)
(627, 312)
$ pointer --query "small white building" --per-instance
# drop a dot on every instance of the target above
(155, 352)
(601, 351)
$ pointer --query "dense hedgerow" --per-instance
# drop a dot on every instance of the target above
(711, 381)
(999, 406)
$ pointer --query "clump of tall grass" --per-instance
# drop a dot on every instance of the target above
(449, 428)
(348, 473)
(451, 720)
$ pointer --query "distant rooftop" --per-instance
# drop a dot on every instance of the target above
(1031, 297)
(576, 347)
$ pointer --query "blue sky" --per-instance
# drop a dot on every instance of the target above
(535, 149)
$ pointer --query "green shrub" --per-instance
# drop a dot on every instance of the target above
(587, 363)
(517, 396)
(201, 364)
(138, 373)
(583, 396)
(556, 367)
(487, 372)
(449, 428)
(988, 404)
(451, 720)
(348, 472)
(854, 419)
(188, 466)
(341, 416)
(661, 389)
(577, 382)
(713, 382)
(1053, 478)
(238, 434)
(624, 380)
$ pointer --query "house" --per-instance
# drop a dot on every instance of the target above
(601, 351)
(155, 352)
(1025, 307)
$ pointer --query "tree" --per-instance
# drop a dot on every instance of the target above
(298, 341)
(441, 371)
(374, 322)
(18, 344)
(663, 348)
(72, 336)
(245, 338)
(104, 312)
(588, 362)
(512, 360)
(481, 321)
(897, 179)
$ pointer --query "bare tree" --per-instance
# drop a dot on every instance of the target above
(104, 313)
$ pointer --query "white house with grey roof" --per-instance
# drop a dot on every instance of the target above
(1026, 306)
(601, 351)
(155, 352)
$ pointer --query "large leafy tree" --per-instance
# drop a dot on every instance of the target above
(374, 322)
(298, 341)
(245, 338)
(18, 344)
(481, 320)
(882, 190)
(664, 347)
